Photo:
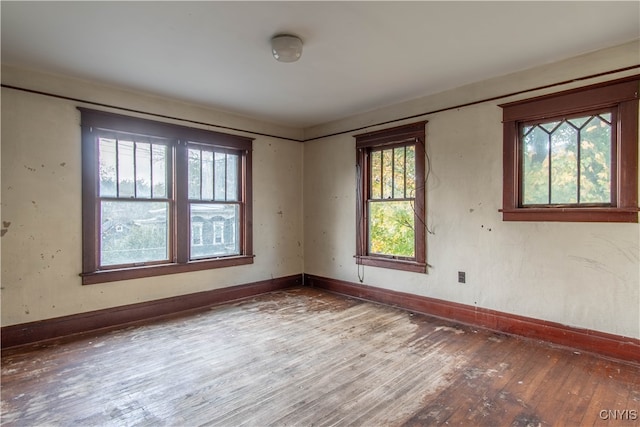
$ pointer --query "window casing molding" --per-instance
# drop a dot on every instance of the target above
(97, 124)
(414, 135)
(621, 98)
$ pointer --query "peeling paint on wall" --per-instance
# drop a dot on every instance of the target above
(5, 228)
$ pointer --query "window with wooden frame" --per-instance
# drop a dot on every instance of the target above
(391, 200)
(160, 198)
(573, 156)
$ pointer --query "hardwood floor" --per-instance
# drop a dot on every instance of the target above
(304, 357)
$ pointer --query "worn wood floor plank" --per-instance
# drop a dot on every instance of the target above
(304, 357)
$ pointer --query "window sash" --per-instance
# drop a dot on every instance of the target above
(558, 121)
(111, 163)
(213, 223)
(145, 230)
(219, 182)
(399, 182)
(375, 248)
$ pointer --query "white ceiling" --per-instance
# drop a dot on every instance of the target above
(357, 56)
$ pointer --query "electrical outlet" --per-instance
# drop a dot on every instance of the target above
(462, 277)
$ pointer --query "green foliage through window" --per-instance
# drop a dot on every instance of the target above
(568, 161)
(390, 205)
(391, 228)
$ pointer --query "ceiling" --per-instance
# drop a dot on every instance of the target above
(357, 56)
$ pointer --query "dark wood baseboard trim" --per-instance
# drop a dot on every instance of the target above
(608, 345)
(26, 333)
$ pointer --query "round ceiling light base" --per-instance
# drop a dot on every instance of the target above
(286, 48)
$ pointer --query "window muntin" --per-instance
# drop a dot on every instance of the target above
(144, 211)
(390, 215)
(588, 191)
(568, 161)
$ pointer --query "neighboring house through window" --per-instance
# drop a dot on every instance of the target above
(573, 156)
(196, 234)
(391, 200)
(151, 189)
(218, 232)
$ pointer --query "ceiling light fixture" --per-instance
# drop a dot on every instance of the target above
(286, 48)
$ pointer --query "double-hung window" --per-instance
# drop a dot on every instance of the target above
(161, 198)
(573, 156)
(391, 200)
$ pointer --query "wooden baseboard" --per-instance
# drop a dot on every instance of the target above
(609, 345)
(26, 333)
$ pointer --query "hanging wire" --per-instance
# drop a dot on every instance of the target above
(360, 213)
(361, 208)
(426, 180)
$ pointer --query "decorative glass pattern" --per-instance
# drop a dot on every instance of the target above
(568, 161)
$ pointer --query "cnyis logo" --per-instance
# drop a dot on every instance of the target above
(619, 414)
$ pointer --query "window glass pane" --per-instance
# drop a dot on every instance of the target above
(194, 173)
(232, 177)
(595, 162)
(220, 176)
(564, 165)
(391, 228)
(220, 228)
(607, 117)
(387, 174)
(580, 121)
(410, 167)
(108, 176)
(159, 170)
(535, 168)
(207, 175)
(133, 232)
(143, 170)
(218, 232)
(196, 234)
(398, 173)
(549, 127)
(376, 175)
(125, 169)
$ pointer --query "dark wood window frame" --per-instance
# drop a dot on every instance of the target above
(402, 135)
(621, 97)
(94, 123)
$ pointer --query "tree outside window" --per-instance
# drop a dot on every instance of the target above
(573, 155)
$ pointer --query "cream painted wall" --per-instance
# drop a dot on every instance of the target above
(583, 275)
(41, 198)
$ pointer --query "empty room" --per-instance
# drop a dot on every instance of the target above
(320, 213)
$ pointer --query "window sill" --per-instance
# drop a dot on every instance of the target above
(396, 264)
(104, 276)
(571, 214)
